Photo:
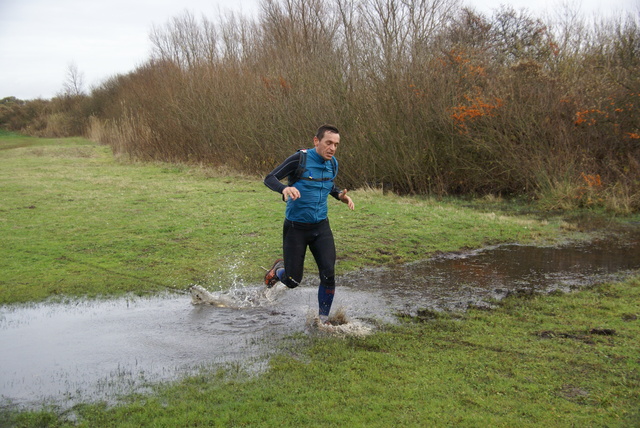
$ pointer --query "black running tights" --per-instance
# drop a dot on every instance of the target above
(296, 237)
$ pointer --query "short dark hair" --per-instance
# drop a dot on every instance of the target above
(326, 128)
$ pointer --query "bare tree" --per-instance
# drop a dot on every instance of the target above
(74, 81)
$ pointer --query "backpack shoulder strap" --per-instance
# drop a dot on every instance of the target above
(302, 165)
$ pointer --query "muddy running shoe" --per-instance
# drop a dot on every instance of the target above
(271, 278)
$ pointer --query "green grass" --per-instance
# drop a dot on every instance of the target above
(77, 222)
(532, 362)
(74, 222)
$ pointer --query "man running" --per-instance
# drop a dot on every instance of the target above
(306, 223)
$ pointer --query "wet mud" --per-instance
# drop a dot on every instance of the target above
(80, 351)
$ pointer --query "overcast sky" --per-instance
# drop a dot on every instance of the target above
(39, 39)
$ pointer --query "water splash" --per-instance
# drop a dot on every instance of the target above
(338, 324)
(236, 297)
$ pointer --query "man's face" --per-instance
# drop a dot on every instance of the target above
(327, 147)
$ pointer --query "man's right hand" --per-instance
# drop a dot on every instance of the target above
(290, 192)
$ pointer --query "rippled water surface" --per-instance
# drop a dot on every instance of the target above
(95, 350)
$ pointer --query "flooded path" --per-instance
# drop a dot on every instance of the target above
(455, 281)
(63, 354)
(94, 350)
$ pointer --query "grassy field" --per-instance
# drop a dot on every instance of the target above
(76, 222)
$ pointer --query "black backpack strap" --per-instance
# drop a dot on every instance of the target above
(302, 165)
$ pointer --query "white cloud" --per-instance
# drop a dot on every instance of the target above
(40, 38)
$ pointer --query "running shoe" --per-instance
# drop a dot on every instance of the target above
(271, 278)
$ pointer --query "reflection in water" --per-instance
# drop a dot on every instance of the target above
(456, 281)
(95, 350)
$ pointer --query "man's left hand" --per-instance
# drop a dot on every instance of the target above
(346, 199)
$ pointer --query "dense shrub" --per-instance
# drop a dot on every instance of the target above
(430, 97)
(62, 116)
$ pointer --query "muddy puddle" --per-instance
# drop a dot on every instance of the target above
(79, 351)
(455, 281)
